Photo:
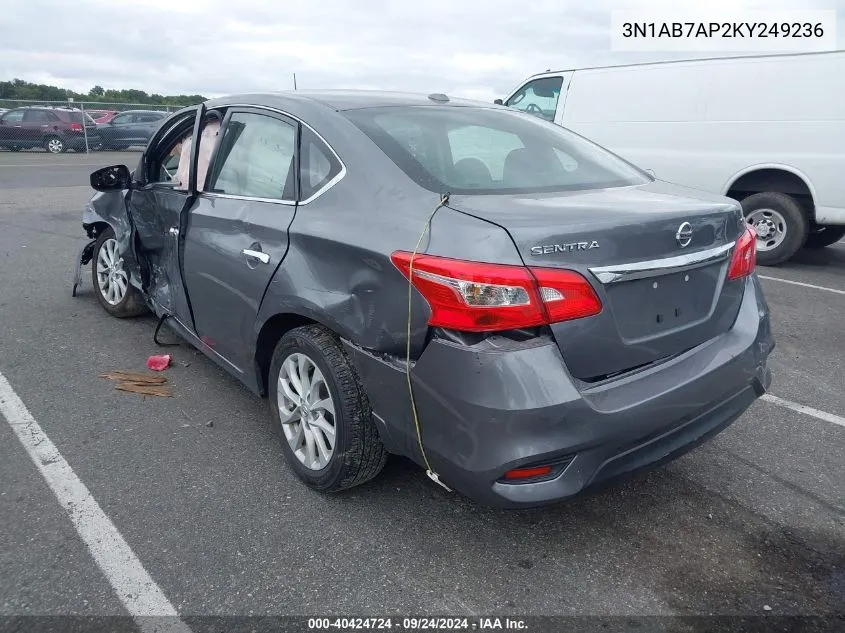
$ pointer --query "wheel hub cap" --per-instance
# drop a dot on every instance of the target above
(770, 227)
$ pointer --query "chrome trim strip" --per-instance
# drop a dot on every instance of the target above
(331, 183)
(654, 267)
(229, 196)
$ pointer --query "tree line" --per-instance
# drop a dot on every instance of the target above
(24, 90)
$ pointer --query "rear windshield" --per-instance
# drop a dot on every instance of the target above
(464, 150)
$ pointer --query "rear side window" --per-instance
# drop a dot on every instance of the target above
(318, 164)
(256, 158)
(147, 118)
(37, 116)
(487, 151)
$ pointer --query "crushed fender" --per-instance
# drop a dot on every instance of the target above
(144, 384)
(159, 362)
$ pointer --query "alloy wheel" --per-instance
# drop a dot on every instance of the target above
(306, 411)
(111, 276)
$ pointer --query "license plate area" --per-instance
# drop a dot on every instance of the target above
(645, 308)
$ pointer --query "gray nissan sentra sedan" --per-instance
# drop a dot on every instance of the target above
(568, 320)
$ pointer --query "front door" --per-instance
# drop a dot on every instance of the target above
(157, 210)
(542, 97)
(237, 232)
(115, 130)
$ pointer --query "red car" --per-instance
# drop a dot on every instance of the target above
(102, 116)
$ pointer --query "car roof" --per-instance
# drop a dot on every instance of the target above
(139, 111)
(340, 100)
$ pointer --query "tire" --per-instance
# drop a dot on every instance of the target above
(131, 303)
(358, 454)
(824, 235)
(55, 145)
(771, 211)
(14, 148)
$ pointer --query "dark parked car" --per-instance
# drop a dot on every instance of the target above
(570, 319)
(132, 127)
(55, 129)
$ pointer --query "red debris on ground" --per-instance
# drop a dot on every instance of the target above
(159, 363)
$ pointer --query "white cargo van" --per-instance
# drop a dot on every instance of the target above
(768, 131)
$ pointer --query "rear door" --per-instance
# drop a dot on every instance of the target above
(237, 233)
(145, 126)
(35, 124)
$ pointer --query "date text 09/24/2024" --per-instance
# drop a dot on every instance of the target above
(417, 624)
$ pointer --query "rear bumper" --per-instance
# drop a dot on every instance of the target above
(487, 409)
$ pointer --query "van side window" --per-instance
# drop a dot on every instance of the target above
(538, 97)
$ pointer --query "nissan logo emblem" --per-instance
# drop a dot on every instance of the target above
(684, 234)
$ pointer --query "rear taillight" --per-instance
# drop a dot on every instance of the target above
(76, 127)
(745, 255)
(479, 297)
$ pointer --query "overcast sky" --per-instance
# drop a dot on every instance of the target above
(470, 48)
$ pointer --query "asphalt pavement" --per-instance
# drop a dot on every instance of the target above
(752, 523)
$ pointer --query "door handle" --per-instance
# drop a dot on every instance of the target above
(264, 258)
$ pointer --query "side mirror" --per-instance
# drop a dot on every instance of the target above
(498, 102)
(114, 178)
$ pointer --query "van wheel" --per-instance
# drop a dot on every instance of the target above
(111, 280)
(780, 224)
(824, 235)
(321, 412)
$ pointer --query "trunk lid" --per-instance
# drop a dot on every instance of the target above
(657, 256)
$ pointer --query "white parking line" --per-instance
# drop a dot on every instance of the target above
(142, 598)
(801, 283)
(800, 408)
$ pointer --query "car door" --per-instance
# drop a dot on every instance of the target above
(542, 97)
(11, 128)
(146, 125)
(157, 208)
(237, 233)
(35, 125)
(115, 132)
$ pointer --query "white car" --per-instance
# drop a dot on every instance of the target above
(768, 131)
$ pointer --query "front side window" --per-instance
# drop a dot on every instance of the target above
(122, 119)
(488, 151)
(15, 116)
(171, 151)
(538, 97)
(256, 158)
